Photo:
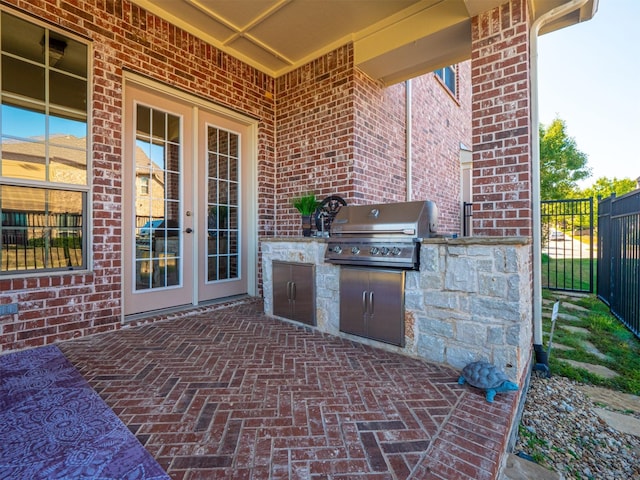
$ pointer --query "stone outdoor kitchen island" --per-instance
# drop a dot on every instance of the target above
(467, 302)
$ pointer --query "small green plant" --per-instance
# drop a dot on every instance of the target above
(536, 446)
(602, 323)
(307, 204)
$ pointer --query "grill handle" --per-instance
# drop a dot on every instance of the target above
(403, 231)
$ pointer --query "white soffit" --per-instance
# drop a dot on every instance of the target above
(393, 39)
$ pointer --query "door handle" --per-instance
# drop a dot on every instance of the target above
(370, 303)
(189, 230)
(364, 302)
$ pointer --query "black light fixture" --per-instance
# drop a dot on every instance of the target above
(56, 49)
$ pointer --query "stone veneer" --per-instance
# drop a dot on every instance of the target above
(471, 299)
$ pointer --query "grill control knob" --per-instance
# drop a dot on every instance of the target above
(395, 251)
(384, 251)
(374, 250)
(337, 249)
(355, 250)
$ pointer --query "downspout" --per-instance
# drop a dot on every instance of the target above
(541, 357)
(408, 135)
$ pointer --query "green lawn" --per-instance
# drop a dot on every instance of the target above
(606, 333)
(567, 274)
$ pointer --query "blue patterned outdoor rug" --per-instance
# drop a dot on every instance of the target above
(53, 425)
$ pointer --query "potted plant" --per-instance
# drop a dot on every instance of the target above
(306, 205)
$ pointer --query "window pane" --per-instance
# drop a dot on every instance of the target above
(159, 124)
(22, 38)
(41, 229)
(68, 165)
(173, 157)
(233, 145)
(22, 78)
(173, 129)
(64, 126)
(212, 165)
(172, 186)
(23, 159)
(68, 92)
(67, 54)
(23, 122)
(233, 169)
(143, 124)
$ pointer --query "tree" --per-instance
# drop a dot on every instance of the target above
(604, 187)
(561, 163)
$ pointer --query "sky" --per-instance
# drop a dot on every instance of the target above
(589, 76)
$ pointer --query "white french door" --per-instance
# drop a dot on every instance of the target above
(186, 202)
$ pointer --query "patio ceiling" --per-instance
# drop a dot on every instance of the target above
(393, 39)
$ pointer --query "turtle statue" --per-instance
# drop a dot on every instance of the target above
(487, 377)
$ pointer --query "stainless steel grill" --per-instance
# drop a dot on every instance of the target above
(382, 235)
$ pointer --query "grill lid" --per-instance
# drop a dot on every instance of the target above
(415, 220)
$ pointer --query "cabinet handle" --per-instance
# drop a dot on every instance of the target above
(293, 290)
(370, 303)
(364, 301)
(289, 291)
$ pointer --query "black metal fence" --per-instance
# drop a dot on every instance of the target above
(567, 244)
(619, 257)
(41, 240)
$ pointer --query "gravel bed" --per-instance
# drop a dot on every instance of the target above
(562, 432)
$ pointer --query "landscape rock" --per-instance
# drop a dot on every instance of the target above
(571, 437)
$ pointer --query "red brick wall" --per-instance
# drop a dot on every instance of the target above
(501, 121)
(124, 36)
(440, 123)
(379, 142)
(339, 132)
(314, 150)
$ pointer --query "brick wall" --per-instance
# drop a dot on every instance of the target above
(314, 134)
(126, 37)
(501, 121)
(440, 124)
(379, 142)
(341, 133)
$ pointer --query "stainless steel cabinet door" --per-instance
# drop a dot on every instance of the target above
(294, 291)
(372, 303)
(281, 287)
(386, 306)
(303, 293)
(354, 283)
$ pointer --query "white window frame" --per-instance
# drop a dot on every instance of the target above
(47, 185)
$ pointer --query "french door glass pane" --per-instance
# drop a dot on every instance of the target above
(158, 169)
(222, 204)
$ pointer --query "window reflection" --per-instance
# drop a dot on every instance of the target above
(23, 122)
(43, 131)
(222, 209)
(157, 205)
(41, 229)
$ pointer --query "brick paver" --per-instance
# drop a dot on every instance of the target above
(231, 393)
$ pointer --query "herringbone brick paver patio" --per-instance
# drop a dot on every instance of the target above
(231, 393)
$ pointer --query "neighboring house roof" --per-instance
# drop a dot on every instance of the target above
(394, 39)
(25, 159)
